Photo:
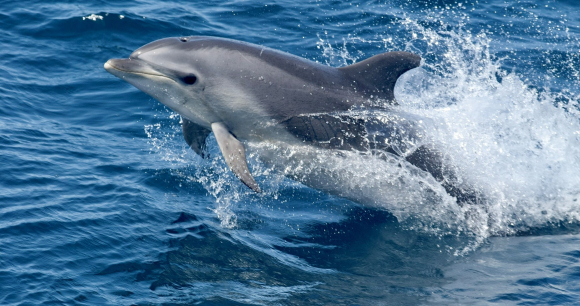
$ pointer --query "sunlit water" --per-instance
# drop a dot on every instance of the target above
(102, 202)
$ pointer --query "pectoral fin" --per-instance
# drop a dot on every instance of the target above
(194, 135)
(234, 154)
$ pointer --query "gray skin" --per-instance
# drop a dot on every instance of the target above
(247, 92)
(238, 80)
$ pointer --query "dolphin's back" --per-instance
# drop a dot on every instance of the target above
(374, 77)
(284, 85)
(296, 66)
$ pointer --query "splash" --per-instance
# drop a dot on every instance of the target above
(514, 141)
(517, 143)
(93, 17)
(165, 141)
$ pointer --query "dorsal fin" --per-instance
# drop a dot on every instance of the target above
(379, 73)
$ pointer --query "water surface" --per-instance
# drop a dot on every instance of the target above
(102, 203)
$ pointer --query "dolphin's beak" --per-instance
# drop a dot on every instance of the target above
(123, 66)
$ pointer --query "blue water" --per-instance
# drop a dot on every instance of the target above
(102, 203)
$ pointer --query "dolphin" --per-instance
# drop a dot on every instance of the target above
(246, 92)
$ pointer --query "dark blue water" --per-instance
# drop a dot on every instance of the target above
(102, 203)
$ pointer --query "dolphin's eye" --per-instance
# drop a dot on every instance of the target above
(190, 79)
(183, 39)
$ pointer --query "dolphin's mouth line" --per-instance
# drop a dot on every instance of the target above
(138, 72)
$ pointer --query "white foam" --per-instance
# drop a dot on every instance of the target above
(514, 143)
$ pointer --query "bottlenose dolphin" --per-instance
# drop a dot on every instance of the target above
(246, 92)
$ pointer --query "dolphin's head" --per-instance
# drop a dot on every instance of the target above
(169, 70)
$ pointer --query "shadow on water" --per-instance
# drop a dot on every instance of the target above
(375, 258)
(364, 258)
(211, 267)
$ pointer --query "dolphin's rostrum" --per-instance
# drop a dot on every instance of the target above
(245, 92)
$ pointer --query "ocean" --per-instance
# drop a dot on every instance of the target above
(103, 203)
